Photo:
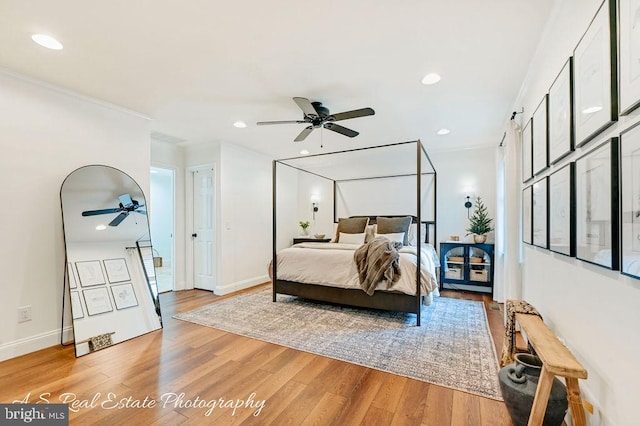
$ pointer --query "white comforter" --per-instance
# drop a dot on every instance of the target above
(332, 264)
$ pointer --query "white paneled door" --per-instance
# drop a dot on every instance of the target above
(203, 229)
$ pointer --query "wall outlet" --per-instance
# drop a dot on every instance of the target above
(24, 314)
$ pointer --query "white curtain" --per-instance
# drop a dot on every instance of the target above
(507, 277)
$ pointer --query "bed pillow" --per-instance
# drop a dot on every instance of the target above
(394, 236)
(392, 225)
(352, 238)
(413, 237)
(371, 233)
(352, 225)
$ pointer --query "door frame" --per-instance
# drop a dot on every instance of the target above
(189, 198)
(174, 172)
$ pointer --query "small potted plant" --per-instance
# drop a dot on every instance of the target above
(480, 222)
(305, 226)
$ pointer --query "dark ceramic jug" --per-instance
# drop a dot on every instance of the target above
(518, 383)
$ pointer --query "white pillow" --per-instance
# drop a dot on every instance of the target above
(413, 237)
(399, 236)
(351, 238)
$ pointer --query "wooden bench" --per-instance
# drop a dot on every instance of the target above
(557, 360)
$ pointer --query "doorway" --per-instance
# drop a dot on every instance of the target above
(161, 222)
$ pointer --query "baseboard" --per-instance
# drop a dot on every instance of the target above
(34, 343)
(221, 290)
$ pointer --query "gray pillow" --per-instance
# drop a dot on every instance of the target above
(391, 225)
(352, 225)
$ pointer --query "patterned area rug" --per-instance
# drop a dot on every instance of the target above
(452, 348)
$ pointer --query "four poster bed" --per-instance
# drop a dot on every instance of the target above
(328, 272)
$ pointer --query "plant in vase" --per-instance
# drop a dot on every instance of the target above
(305, 227)
(480, 222)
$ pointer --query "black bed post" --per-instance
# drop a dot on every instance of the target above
(274, 266)
(418, 226)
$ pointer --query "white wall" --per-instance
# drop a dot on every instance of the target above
(245, 210)
(461, 173)
(46, 134)
(593, 309)
(321, 189)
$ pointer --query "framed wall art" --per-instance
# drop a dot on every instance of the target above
(629, 33)
(561, 208)
(630, 193)
(561, 114)
(527, 152)
(71, 276)
(540, 211)
(595, 76)
(540, 137)
(117, 271)
(124, 296)
(76, 306)
(97, 301)
(90, 273)
(596, 177)
(527, 215)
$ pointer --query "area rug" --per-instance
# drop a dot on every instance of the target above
(452, 348)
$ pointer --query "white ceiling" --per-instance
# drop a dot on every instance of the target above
(197, 66)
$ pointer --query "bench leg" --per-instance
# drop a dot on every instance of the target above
(575, 402)
(541, 398)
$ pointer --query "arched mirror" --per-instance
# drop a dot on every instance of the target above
(111, 287)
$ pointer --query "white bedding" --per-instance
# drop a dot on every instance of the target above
(332, 264)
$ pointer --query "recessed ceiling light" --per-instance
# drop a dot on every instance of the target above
(47, 41)
(101, 227)
(304, 152)
(240, 124)
(592, 109)
(443, 131)
(431, 78)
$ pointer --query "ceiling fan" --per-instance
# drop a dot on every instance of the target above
(126, 206)
(318, 116)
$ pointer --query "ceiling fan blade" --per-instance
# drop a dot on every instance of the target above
(118, 219)
(141, 211)
(306, 106)
(103, 211)
(363, 112)
(342, 130)
(263, 123)
(303, 135)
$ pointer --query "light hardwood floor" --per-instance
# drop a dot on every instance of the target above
(208, 364)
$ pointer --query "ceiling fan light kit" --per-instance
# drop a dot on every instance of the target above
(316, 115)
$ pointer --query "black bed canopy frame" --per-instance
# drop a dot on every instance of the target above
(385, 300)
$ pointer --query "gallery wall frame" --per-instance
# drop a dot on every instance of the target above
(540, 137)
(596, 76)
(562, 223)
(630, 201)
(597, 212)
(97, 301)
(76, 306)
(527, 152)
(90, 273)
(73, 282)
(540, 212)
(124, 296)
(629, 55)
(527, 215)
(117, 271)
(561, 114)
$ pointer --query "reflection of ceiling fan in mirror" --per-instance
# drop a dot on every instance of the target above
(126, 206)
(318, 116)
